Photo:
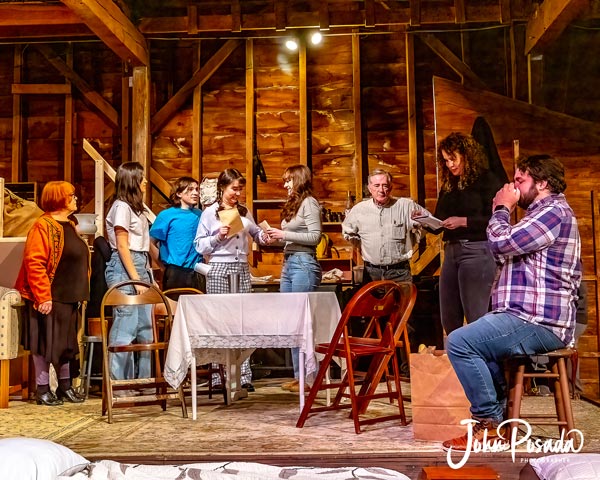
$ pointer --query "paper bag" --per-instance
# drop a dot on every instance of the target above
(438, 400)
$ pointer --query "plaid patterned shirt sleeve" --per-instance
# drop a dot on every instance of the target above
(540, 269)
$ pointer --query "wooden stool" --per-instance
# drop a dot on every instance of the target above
(557, 371)
(464, 473)
(6, 389)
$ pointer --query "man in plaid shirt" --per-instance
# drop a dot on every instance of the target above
(534, 295)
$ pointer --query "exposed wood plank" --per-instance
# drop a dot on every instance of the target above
(505, 11)
(236, 16)
(111, 25)
(302, 87)
(323, 16)
(549, 20)
(33, 14)
(411, 104)
(283, 17)
(452, 60)
(140, 117)
(68, 166)
(280, 16)
(199, 78)
(160, 183)
(126, 117)
(250, 126)
(94, 98)
(369, 13)
(192, 19)
(459, 11)
(197, 124)
(17, 120)
(356, 106)
(41, 89)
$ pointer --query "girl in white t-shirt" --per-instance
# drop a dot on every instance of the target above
(127, 233)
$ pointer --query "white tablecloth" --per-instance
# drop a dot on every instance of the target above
(210, 325)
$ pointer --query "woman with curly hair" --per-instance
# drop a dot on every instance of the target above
(465, 206)
(301, 232)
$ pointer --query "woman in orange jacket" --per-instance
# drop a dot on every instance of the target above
(53, 281)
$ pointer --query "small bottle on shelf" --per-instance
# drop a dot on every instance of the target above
(349, 204)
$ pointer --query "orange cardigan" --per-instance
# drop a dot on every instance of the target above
(43, 249)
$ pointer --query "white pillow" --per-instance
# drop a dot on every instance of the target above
(33, 459)
(567, 466)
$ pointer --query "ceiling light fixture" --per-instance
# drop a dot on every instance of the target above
(316, 38)
(292, 44)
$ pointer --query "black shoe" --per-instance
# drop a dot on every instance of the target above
(48, 398)
(69, 395)
(248, 386)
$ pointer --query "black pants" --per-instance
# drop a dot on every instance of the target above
(179, 277)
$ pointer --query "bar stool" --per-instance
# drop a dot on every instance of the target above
(88, 341)
(557, 371)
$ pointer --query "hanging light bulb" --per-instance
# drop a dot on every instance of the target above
(292, 44)
(316, 38)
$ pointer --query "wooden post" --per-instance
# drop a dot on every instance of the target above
(68, 169)
(140, 121)
(358, 146)
(303, 102)
(197, 123)
(17, 123)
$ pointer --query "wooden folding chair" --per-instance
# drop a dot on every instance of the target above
(203, 371)
(160, 391)
(389, 304)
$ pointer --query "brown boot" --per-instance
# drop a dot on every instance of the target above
(484, 434)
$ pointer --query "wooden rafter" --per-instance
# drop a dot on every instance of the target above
(111, 25)
(452, 60)
(202, 75)
(94, 98)
(549, 20)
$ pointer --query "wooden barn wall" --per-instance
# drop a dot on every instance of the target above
(6, 108)
(538, 130)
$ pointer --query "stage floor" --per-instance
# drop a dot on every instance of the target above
(259, 428)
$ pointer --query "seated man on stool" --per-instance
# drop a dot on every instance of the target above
(533, 298)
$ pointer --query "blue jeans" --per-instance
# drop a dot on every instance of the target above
(465, 282)
(129, 322)
(478, 349)
(300, 273)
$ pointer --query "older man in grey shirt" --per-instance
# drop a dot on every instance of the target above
(383, 228)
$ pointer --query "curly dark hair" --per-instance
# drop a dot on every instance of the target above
(545, 167)
(226, 178)
(474, 157)
(301, 177)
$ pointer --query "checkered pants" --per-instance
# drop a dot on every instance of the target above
(217, 281)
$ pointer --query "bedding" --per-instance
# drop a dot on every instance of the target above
(567, 466)
(108, 469)
(34, 459)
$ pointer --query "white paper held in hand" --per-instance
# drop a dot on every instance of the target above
(429, 221)
(202, 268)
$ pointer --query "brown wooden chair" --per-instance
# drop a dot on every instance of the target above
(203, 371)
(160, 391)
(389, 304)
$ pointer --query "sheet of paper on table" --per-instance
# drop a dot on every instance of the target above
(429, 221)
(232, 218)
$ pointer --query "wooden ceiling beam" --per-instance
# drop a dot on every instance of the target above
(549, 20)
(24, 15)
(374, 14)
(116, 31)
(452, 60)
(93, 97)
(199, 78)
